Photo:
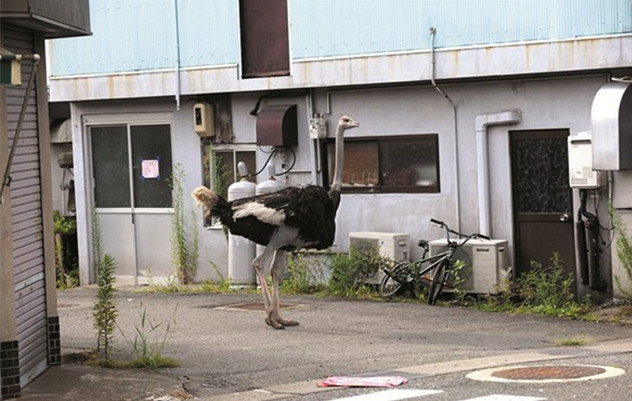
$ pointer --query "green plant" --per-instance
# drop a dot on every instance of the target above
(349, 273)
(546, 287)
(304, 275)
(66, 265)
(574, 341)
(64, 224)
(104, 310)
(460, 275)
(219, 174)
(149, 343)
(541, 290)
(184, 237)
(623, 244)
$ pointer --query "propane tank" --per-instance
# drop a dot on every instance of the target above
(267, 187)
(241, 251)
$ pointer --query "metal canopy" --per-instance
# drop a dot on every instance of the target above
(277, 126)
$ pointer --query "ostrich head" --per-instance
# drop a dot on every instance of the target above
(344, 123)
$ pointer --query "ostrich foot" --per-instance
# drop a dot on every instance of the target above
(287, 323)
(273, 323)
(278, 323)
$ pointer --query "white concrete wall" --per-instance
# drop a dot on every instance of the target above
(552, 103)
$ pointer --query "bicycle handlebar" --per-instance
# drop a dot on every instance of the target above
(458, 234)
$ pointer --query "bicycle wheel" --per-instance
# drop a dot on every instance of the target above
(396, 279)
(436, 286)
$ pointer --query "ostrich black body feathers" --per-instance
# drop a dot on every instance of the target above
(310, 209)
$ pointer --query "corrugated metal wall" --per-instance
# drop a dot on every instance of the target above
(144, 38)
(26, 219)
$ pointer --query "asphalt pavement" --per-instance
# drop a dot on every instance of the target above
(226, 352)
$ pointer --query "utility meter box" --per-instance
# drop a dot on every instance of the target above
(317, 128)
(580, 162)
(203, 119)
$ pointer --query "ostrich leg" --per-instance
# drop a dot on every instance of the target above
(276, 271)
(258, 264)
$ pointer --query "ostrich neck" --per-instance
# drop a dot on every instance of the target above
(336, 183)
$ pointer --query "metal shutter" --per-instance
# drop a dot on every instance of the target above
(26, 219)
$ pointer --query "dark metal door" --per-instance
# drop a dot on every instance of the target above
(542, 199)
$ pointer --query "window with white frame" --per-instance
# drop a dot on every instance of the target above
(222, 167)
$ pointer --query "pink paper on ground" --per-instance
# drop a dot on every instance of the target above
(379, 381)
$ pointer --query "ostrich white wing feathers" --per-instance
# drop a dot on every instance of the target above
(260, 211)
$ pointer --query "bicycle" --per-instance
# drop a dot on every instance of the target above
(413, 275)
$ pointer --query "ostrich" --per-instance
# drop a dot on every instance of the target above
(292, 218)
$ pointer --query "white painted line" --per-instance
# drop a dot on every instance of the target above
(497, 397)
(390, 395)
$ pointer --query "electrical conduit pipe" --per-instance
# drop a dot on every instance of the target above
(482, 122)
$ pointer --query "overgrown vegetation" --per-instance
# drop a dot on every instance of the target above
(150, 340)
(623, 244)
(66, 263)
(305, 274)
(544, 290)
(184, 235)
(339, 274)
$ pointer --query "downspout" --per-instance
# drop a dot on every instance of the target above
(177, 72)
(313, 143)
(433, 32)
(482, 162)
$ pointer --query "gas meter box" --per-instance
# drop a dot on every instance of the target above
(580, 163)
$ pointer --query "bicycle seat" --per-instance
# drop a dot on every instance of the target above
(423, 243)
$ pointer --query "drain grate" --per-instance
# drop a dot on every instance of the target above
(546, 373)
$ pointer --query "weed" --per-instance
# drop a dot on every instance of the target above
(574, 341)
(184, 237)
(104, 310)
(66, 264)
(541, 290)
(149, 343)
(623, 245)
(304, 275)
(350, 273)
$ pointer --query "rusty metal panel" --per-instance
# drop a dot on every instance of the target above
(277, 126)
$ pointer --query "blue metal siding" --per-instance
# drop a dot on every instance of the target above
(140, 35)
(324, 28)
(209, 32)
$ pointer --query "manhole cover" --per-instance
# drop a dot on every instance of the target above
(255, 306)
(546, 373)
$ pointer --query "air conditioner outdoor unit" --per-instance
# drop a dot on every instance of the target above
(393, 246)
(487, 269)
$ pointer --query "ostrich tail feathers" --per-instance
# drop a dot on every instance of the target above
(205, 198)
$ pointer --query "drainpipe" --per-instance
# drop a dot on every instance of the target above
(482, 162)
(175, 4)
(457, 189)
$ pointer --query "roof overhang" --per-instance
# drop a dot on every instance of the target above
(54, 18)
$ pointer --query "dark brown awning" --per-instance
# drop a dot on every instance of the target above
(277, 126)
